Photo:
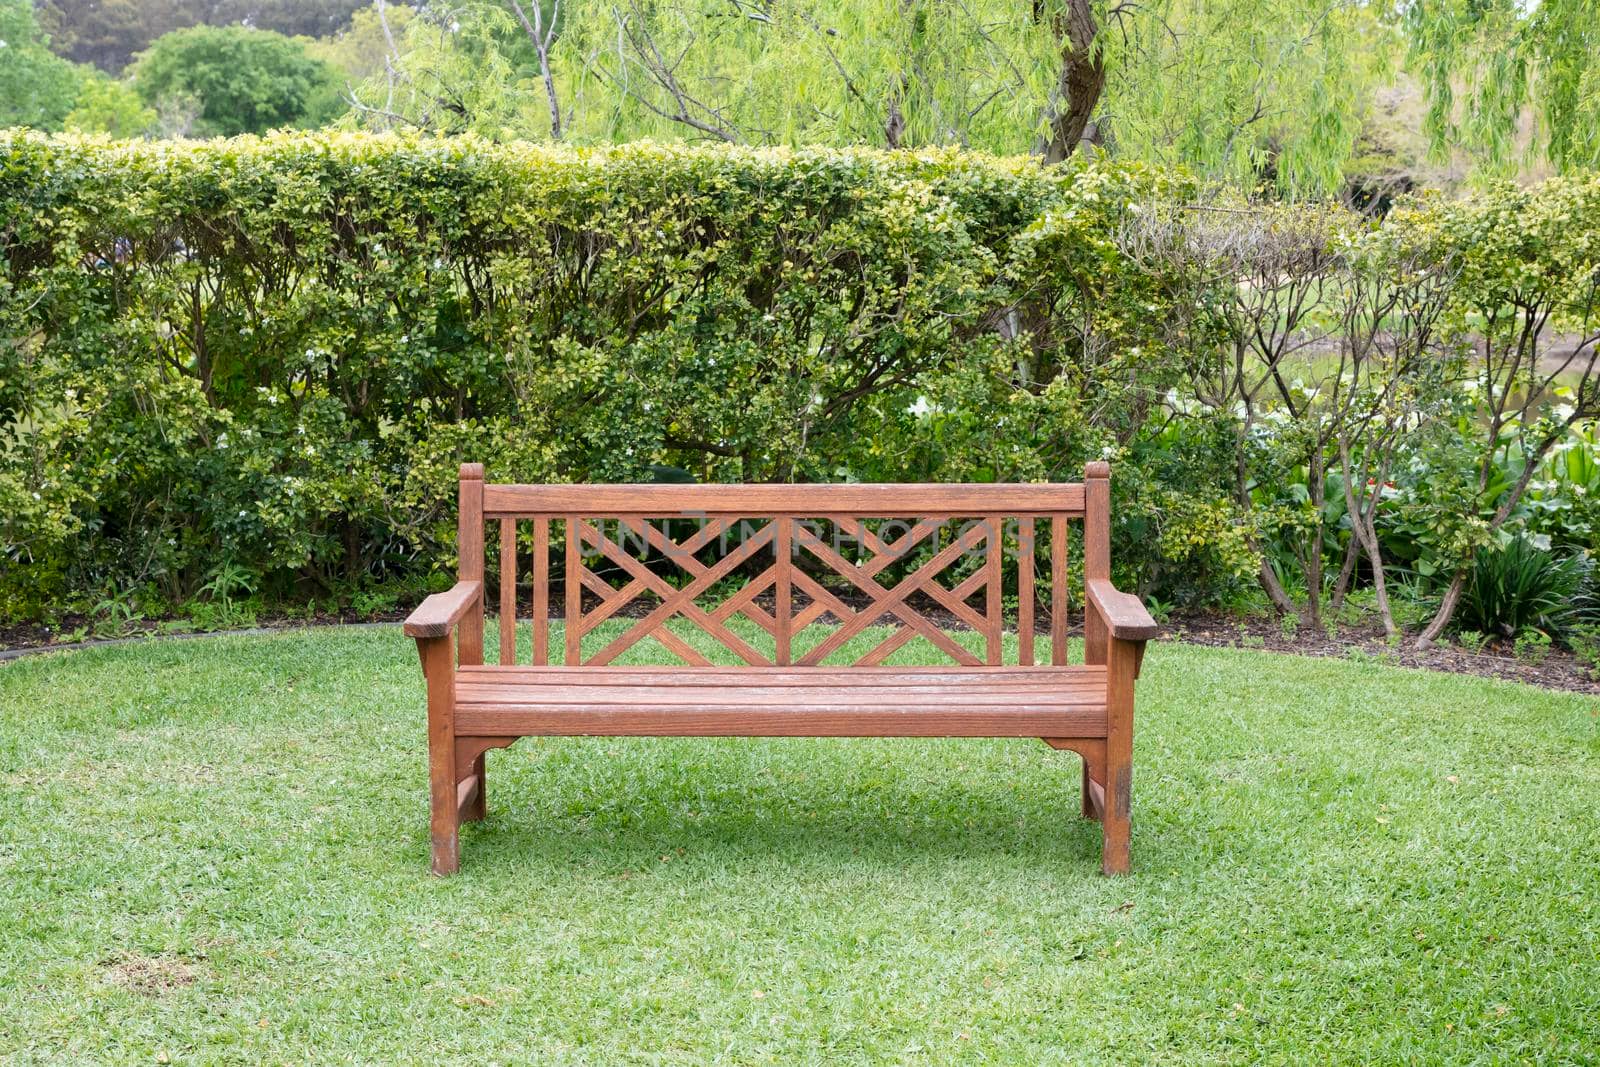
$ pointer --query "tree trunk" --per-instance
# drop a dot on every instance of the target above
(1275, 592)
(1341, 586)
(1447, 608)
(1081, 81)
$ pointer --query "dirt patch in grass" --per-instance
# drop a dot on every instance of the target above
(150, 976)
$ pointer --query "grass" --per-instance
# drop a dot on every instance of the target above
(216, 851)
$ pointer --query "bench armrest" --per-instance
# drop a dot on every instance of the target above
(438, 614)
(1123, 613)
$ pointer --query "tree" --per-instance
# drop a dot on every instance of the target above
(106, 105)
(479, 67)
(363, 50)
(1265, 88)
(1489, 65)
(37, 88)
(1530, 266)
(242, 80)
(108, 33)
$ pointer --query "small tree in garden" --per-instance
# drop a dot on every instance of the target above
(1394, 377)
(1248, 290)
(1529, 267)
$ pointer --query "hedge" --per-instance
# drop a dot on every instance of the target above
(273, 352)
(255, 364)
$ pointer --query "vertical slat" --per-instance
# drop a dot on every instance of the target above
(782, 555)
(994, 602)
(1096, 552)
(469, 548)
(508, 591)
(541, 591)
(574, 593)
(1025, 530)
(1058, 590)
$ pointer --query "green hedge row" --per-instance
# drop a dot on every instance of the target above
(255, 364)
(272, 353)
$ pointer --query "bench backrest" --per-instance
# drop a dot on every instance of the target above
(622, 542)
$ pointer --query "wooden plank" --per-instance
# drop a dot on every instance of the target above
(1096, 795)
(931, 696)
(1123, 615)
(445, 811)
(508, 591)
(1121, 669)
(469, 550)
(937, 674)
(1058, 591)
(541, 590)
(574, 586)
(438, 613)
(783, 590)
(885, 601)
(633, 720)
(1025, 548)
(680, 601)
(884, 500)
(994, 602)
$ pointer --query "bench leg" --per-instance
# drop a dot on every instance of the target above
(1089, 810)
(1115, 853)
(1122, 666)
(445, 817)
(479, 807)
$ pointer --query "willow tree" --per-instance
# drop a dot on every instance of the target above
(1252, 89)
(1510, 81)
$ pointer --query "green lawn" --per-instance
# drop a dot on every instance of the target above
(216, 851)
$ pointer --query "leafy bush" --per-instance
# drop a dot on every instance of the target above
(275, 351)
(1519, 587)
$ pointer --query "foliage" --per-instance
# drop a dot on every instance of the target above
(36, 87)
(108, 33)
(105, 105)
(1518, 588)
(1486, 63)
(241, 80)
(275, 351)
(1170, 82)
(310, 332)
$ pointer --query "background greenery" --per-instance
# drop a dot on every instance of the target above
(251, 367)
(1300, 97)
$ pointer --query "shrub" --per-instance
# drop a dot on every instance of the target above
(1519, 587)
(275, 351)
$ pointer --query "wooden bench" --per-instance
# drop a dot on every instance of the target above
(796, 547)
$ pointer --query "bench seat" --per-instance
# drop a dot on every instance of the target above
(517, 701)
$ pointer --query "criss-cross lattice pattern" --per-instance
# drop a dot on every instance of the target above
(812, 587)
